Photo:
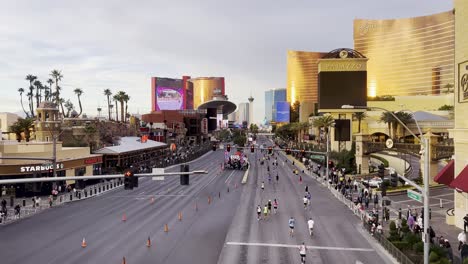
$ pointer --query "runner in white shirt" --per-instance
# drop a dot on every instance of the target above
(302, 252)
(310, 224)
(306, 201)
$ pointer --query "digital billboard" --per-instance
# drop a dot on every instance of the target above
(169, 98)
(337, 88)
(282, 112)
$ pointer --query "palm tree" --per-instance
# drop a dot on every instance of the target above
(50, 82)
(360, 116)
(126, 98)
(15, 128)
(324, 122)
(69, 106)
(26, 124)
(31, 79)
(38, 85)
(449, 87)
(121, 96)
(388, 118)
(116, 98)
(60, 102)
(406, 118)
(21, 91)
(108, 93)
(57, 75)
(78, 93)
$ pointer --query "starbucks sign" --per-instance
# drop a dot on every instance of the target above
(40, 168)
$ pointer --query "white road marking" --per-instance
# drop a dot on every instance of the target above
(146, 196)
(232, 173)
(431, 197)
(141, 193)
(297, 246)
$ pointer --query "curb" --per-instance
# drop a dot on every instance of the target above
(246, 176)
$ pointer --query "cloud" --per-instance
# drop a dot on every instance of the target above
(120, 44)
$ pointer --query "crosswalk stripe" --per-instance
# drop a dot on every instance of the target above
(296, 246)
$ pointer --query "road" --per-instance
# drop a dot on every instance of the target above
(55, 236)
(338, 236)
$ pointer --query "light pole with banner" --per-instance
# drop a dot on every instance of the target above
(425, 190)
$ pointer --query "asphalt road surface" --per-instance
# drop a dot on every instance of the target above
(338, 235)
(55, 236)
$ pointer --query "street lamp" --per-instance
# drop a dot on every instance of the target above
(425, 191)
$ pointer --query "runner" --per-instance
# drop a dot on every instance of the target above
(277, 178)
(269, 206)
(275, 205)
(306, 201)
(310, 223)
(265, 212)
(263, 186)
(291, 223)
(302, 252)
(259, 213)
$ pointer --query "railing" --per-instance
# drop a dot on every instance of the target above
(439, 151)
(442, 151)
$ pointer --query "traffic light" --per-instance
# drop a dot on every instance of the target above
(184, 179)
(128, 180)
(214, 147)
(252, 148)
(394, 179)
(270, 150)
(381, 170)
(228, 148)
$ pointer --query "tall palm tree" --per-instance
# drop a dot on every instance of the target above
(116, 98)
(57, 76)
(69, 106)
(126, 98)
(60, 102)
(324, 122)
(108, 93)
(31, 78)
(359, 116)
(21, 91)
(406, 118)
(78, 93)
(38, 85)
(388, 118)
(50, 82)
(121, 97)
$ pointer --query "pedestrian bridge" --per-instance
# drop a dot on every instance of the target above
(439, 151)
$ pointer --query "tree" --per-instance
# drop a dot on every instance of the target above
(31, 79)
(253, 128)
(21, 91)
(294, 112)
(449, 88)
(60, 102)
(116, 98)
(57, 76)
(121, 97)
(26, 124)
(324, 122)
(126, 98)
(50, 82)
(108, 93)
(239, 138)
(388, 118)
(78, 93)
(17, 130)
(359, 116)
(69, 106)
(405, 118)
(446, 108)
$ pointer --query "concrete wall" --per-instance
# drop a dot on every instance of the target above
(397, 164)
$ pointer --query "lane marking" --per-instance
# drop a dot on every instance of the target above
(232, 173)
(147, 195)
(296, 246)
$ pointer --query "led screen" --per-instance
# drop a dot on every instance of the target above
(342, 88)
(282, 112)
(169, 98)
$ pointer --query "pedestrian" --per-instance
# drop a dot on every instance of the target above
(277, 178)
(307, 188)
(275, 205)
(431, 234)
(408, 213)
(259, 212)
(448, 250)
(366, 201)
(376, 200)
(461, 239)
(465, 222)
(269, 206)
(399, 213)
(265, 211)
(17, 211)
(411, 222)
(464, 252)
(263, 186)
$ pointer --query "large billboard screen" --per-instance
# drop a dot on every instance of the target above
(342, 88)
(282, 112)
(169, 98)
(170, 94)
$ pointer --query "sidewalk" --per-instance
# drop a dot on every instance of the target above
(437, 217)
(62, 198)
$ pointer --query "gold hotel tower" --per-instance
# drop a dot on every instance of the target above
(205, 88)
(409, 56)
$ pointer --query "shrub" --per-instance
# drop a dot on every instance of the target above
(401, 245)
(404, 226)
(465, 261)
(418, 247)
(433, 257)
(394, 236)
(411, 238)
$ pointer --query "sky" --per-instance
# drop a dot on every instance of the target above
(120, 45)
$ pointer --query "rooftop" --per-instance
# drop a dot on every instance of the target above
(129, 144)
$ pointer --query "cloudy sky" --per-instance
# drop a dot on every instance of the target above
(119, 44)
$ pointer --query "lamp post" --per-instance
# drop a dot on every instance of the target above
(425, 190)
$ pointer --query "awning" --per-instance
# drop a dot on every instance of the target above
(461, 181)
(446, 175)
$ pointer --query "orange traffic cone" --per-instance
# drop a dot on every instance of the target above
(300, 179)
(152, 200)
(124, 261)
(124, 217)
(166, 228)
(83, 243)
(180, 216)
(148, 242)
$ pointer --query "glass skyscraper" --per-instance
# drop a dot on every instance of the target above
(271, 98)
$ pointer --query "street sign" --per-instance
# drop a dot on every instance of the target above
(158, 171)
(414, 195)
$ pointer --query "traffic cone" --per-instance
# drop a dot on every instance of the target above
(124, 261)
(148, 242)
(300, 179)
(180, 216)
(83, 243)
(166, 228)
(152, 200)
(124, 217)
